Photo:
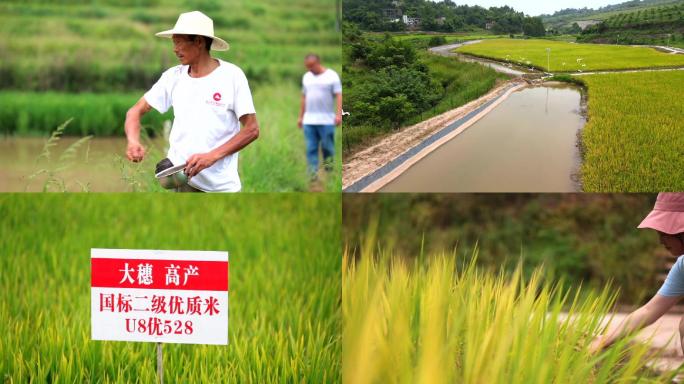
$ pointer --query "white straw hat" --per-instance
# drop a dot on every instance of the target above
(196, 23)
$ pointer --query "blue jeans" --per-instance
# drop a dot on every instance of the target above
(315, 135)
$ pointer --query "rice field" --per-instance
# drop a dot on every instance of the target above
(440, 320)
(633, 138)
(571, 57)
(26, 113)
(284, 286)
(109, 46)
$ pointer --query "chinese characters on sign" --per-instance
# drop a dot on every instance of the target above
(159, 296)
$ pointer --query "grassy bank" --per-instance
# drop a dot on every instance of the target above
(569, 57)
(632, 140)
(435, 321)
(284, 286)
(463, 82)
(384, 93)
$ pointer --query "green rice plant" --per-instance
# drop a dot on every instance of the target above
(284, 286)
(35, 113)
(441, 320)
(633, 138)
(571, 57)
(79, 47)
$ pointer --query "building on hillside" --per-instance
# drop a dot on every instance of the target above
(411, 22)
(440, 20)
(490, 24)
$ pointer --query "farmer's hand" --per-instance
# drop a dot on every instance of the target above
(299, 122)
(135, 151)
(338, 119)
(597, 345)
(199, 161)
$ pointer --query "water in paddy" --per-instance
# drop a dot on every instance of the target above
(526, 144)
(99, 166)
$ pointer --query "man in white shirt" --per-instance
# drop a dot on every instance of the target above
(210, 99)
(320, 112)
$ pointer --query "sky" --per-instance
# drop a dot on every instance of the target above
(537, 7)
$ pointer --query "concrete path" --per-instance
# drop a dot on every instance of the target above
(671, 50)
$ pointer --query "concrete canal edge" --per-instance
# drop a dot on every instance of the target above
(388, 172)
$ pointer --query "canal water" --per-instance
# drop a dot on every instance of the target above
(526, 144)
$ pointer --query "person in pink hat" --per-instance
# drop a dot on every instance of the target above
(667, 218)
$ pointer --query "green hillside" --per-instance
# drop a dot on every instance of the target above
(655, 25)
(564, 19)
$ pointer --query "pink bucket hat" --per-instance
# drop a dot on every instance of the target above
(667, 214)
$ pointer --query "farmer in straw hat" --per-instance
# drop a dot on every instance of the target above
(210, 99)
(667, 218)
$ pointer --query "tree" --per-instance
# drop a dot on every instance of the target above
(575, 29)
(533, 26)
(436, 40)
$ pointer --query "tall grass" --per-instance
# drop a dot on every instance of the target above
(569, 57)
(442, 321)
(463, 82)
(284, 286)
(633, 138)
(55, 165)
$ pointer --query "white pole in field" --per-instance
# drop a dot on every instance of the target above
(548, 59)
(160, 364)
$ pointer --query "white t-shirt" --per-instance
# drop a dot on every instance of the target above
(206, 115)
(319, 91)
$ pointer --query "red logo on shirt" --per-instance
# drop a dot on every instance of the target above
(217, 96)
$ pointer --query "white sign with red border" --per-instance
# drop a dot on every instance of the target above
(159, 296)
